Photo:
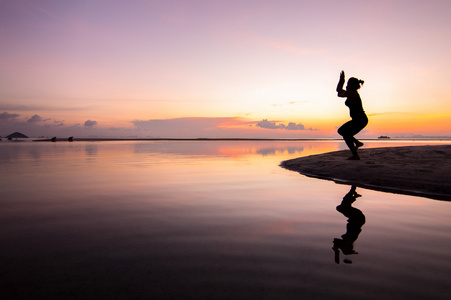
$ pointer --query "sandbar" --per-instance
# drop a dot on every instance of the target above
(413, 170)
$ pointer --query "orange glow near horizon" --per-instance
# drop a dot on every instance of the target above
(438, 124)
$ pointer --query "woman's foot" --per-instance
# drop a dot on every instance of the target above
(358, 144)
(354, 157)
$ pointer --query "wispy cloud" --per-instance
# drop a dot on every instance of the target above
(25, 107)
(189, 127)
(389, 113)
(90, 123)
(36, 125)
(410, 114)
(273, 125)
(288, 103)
(5, 116)
(34, 119)
(186, 126)
(211, 126)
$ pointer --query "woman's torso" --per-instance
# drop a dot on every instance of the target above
(355, 107)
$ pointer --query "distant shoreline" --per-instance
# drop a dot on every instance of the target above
(179, 139)
(231, 139)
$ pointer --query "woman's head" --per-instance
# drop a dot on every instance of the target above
(354, 84)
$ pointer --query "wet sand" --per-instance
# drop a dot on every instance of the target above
(413, 170)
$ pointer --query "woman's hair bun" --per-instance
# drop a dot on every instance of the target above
(354, 83)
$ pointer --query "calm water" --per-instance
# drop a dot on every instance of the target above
(208, 220)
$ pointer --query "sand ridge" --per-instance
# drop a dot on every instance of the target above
(414, 170)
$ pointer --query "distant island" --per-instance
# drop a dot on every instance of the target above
(16, 135)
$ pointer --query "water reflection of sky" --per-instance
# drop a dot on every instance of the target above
(207, 217)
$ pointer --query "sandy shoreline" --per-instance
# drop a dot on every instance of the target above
(413, 170)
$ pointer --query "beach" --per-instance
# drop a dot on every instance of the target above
(412, 170)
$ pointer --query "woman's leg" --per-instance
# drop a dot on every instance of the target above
(347, 131)
(359, 125)
(357, 143)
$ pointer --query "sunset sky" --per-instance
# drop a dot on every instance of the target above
(246, 68)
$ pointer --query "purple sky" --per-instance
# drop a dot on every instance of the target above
(219, 68)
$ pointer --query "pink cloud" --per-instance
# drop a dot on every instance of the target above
(187, 127)
(5, 116)
(218, 127)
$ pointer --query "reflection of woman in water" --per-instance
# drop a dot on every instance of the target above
(358, 117)
(356, 219)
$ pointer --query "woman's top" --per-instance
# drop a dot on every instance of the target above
(355, 107)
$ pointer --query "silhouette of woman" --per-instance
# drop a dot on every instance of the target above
(358, 117)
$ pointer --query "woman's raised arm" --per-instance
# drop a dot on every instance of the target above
(341, 92)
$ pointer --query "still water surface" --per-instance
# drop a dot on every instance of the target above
(208, 220)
